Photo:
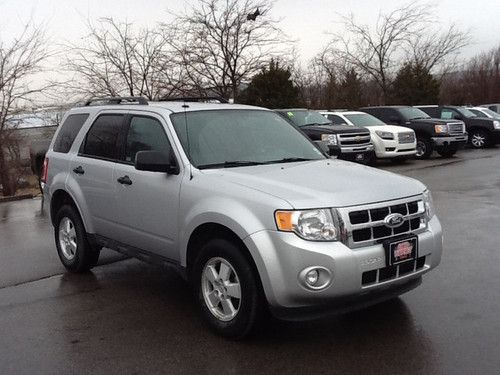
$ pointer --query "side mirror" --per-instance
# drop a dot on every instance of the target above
(155, 161)
(456, 116)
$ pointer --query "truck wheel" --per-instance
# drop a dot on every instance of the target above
(424, 148)
(479, 138)
(446, 152)
(73, 247)
(227, 289)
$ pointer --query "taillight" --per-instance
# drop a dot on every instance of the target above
(45, 170)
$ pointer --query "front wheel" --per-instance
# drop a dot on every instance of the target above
(479, 138)
(227, 289)
(73, 247)
(447, 152)
(424, 148)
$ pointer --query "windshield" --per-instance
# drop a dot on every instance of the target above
(364, 119)
(485, 112)
(465, 112)
(410, 113)
(232, 138)
(305, 117)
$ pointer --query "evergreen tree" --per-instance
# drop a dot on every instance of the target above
(415, 85)
(271, 88)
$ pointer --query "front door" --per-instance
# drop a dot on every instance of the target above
(147, 202)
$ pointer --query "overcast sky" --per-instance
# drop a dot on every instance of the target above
(306, 21)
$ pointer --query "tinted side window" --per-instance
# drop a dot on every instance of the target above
(69, 130)
(336, 119)
(145, 134)
(103, 137)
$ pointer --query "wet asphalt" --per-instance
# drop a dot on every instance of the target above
(132, 318)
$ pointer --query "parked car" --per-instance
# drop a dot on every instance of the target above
(241, 203)
(445, 137)
(494, 107)
(483, 132)
(484, 112)
(346, 142)
(389, 141)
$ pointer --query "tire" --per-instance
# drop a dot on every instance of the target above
(479, 138)
(424, 148)
(73, 247)
(211, 285)
(447, 152)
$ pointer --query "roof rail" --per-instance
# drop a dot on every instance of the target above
(220, 99)
(118, 100)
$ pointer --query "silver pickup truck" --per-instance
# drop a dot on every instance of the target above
(239, 201)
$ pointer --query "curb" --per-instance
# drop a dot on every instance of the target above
(16, 198)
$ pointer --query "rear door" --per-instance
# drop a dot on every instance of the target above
(92, 170)
(148, 202)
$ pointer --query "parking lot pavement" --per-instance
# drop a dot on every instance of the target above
(129, 317)
(27, 249)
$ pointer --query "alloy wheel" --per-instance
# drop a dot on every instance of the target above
(421, 149)
(67, 238)
(478, 140)
(221, 289)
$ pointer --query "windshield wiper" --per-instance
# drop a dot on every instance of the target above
(231, 164)
(289, 160)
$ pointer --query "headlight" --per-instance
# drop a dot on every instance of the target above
(441, 129)
(429, 205)
(312, 225)
(330, 139)
(384, 135)
(496, 124)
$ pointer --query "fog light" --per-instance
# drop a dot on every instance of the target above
(312, 277)
(315, 278)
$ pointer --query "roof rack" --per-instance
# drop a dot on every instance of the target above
(196, 99)
(118, 100)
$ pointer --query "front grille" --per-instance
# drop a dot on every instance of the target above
(354, 139)
(392, 272)
(408, 137)
(365, 225)
(456, 128)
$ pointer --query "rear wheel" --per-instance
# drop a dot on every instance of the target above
(73, 247)
(479, 138)
(227, 289)
(424, 148)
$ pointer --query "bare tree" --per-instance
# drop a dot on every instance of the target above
(20, 61)
(224, 42)
(436, 48)
(114, 59)
(379, 52)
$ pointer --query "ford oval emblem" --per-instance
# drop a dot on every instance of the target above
(394, 220)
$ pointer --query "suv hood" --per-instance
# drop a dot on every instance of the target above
(333, 129)
(434, 121)
(322, 183)
(389, 128)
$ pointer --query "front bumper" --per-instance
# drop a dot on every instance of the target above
(450, 141)
(280, 257)
(388, 149)
(351, 153)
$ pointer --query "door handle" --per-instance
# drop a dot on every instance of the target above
(79, 170)
(125, 180)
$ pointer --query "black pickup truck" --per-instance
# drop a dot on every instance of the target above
(443, 136)
(483, 132)
(346, 142)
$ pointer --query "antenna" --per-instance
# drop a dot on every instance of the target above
(185, 106)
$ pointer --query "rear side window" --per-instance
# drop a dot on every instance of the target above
(102, 140)
(69, 130)
(145, 134)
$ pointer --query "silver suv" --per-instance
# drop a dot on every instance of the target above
(248, 209)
